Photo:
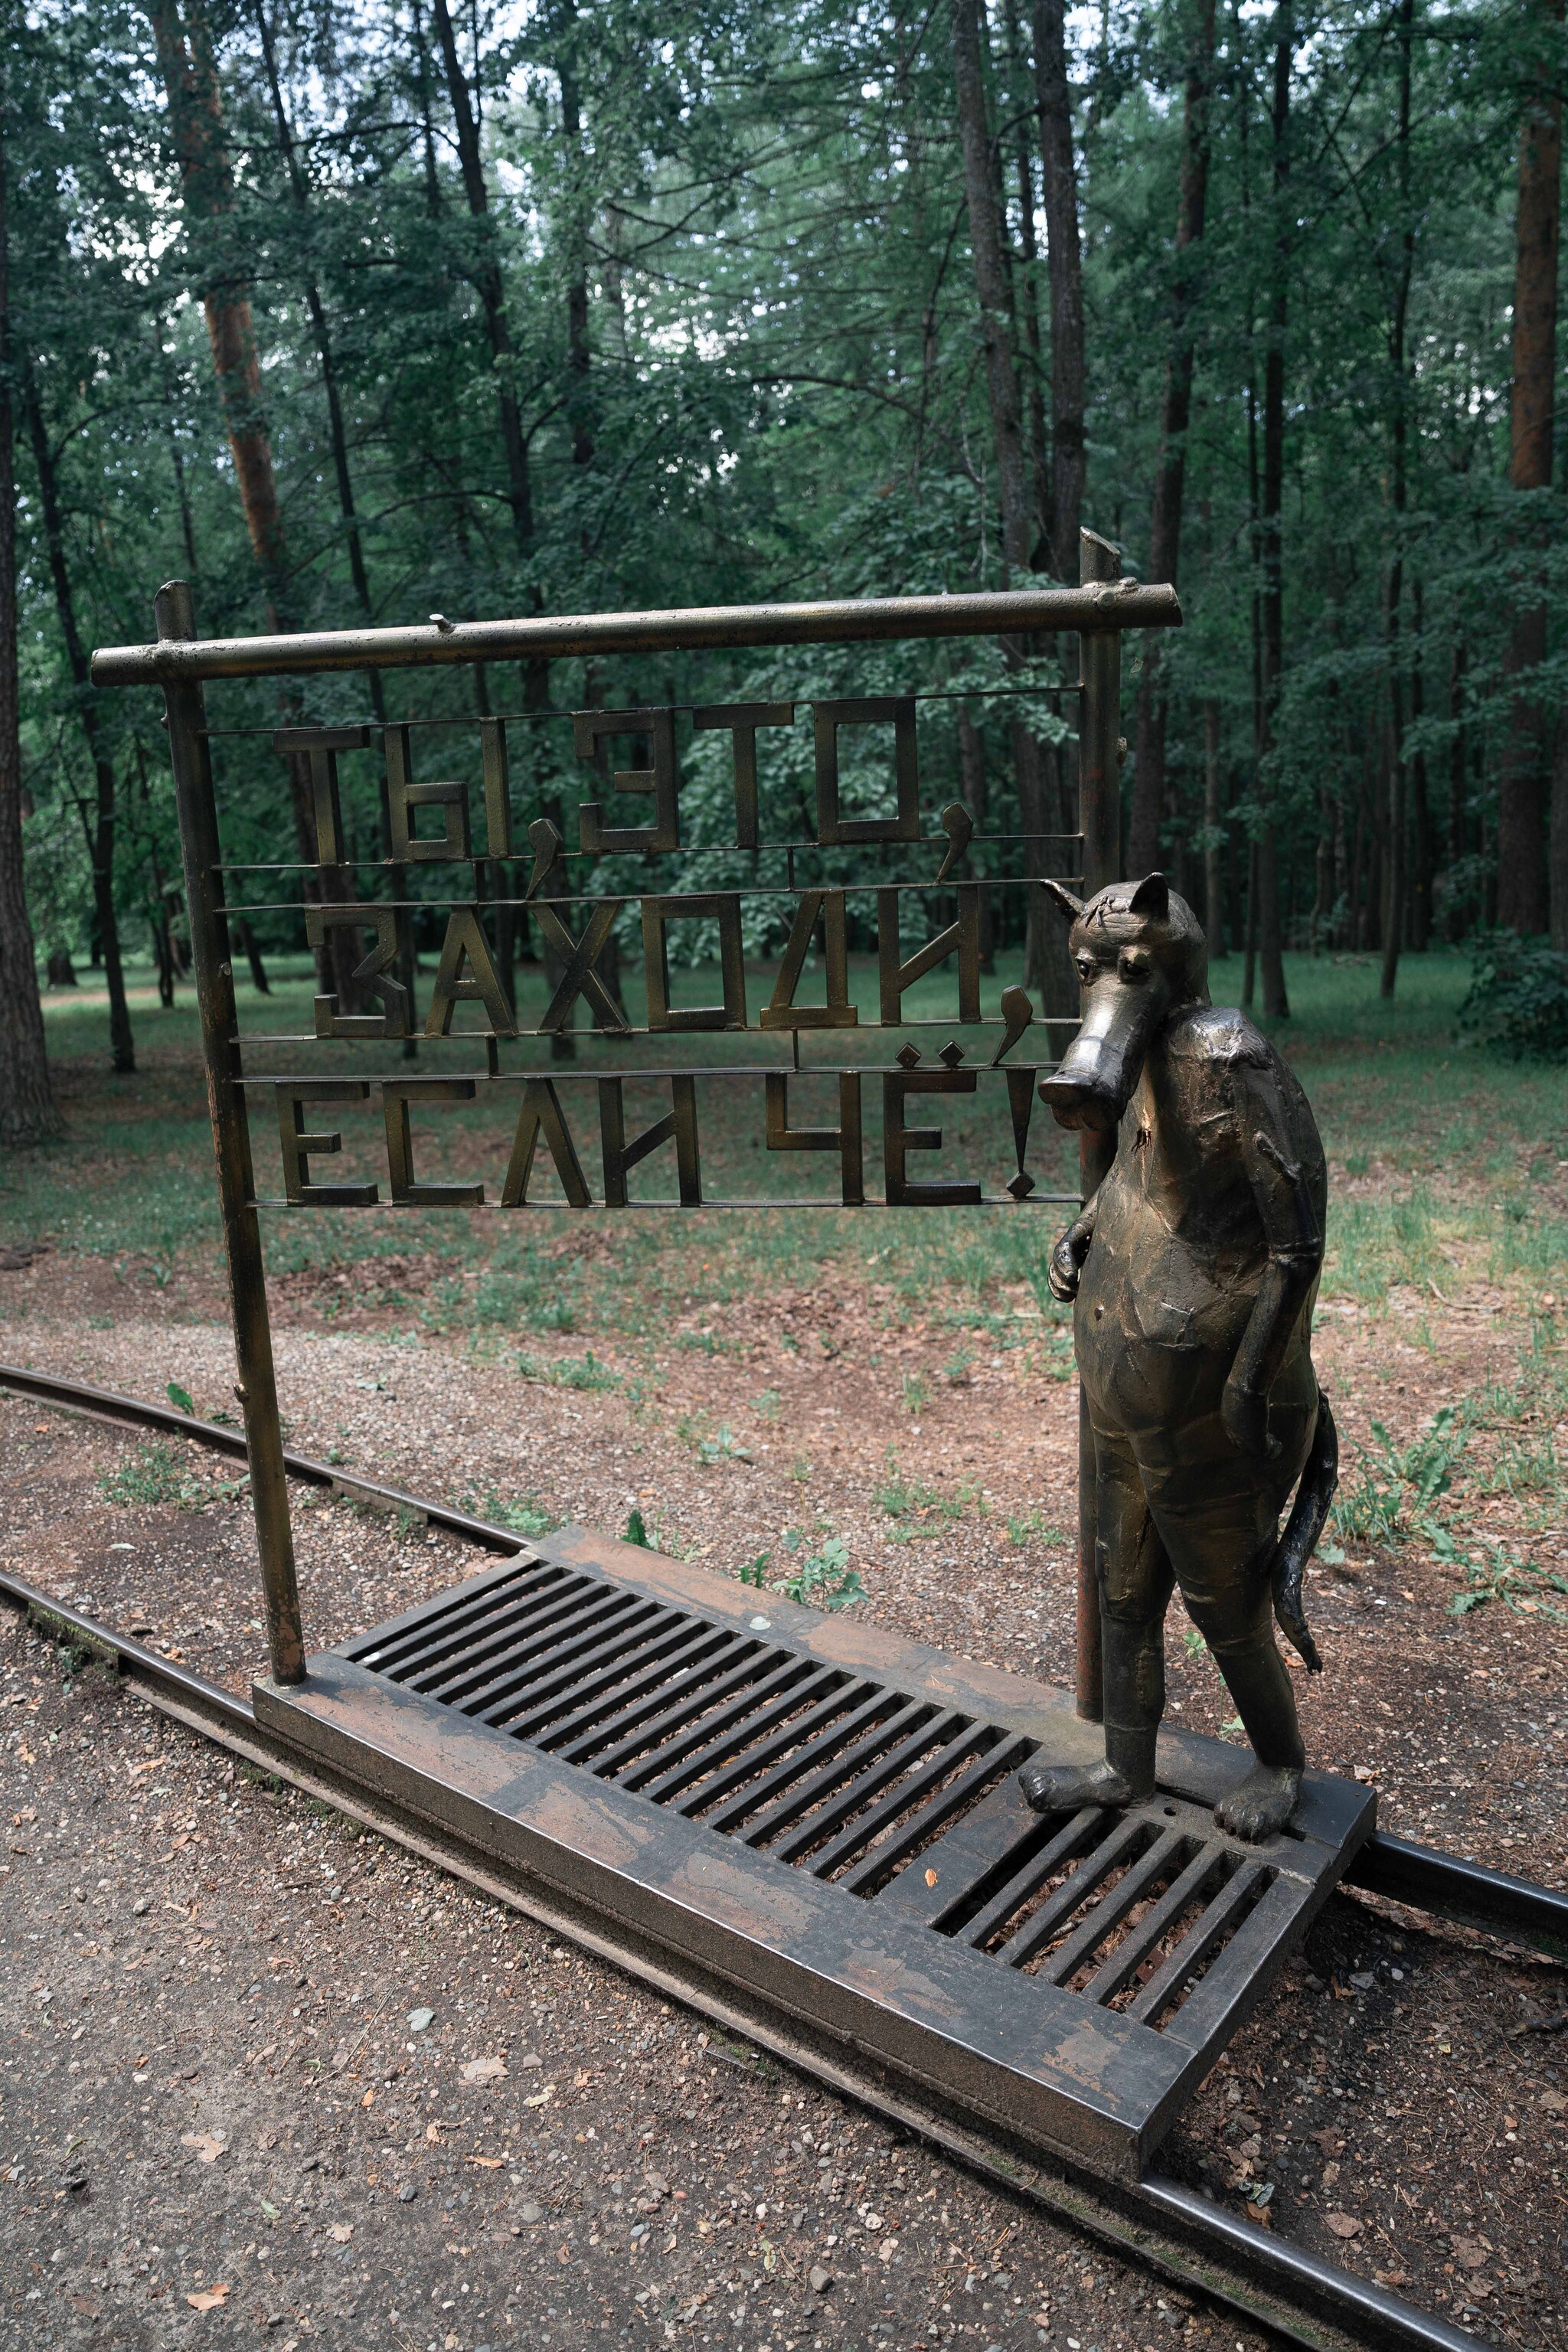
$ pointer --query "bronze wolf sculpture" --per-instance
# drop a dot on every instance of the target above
(1193, 1269)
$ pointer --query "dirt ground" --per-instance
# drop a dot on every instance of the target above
(212, 2079)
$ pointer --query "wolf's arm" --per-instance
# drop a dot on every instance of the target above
(1295, 1243)
(1067, 1258)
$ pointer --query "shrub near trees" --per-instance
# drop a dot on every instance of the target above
(354, 314)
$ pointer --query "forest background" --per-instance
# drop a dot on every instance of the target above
(354, 313)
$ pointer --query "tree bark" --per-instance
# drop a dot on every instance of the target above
(1458, 847)
(1213, 890)
(300, 188)
(1395, 911)
(579, 409)
(101, 833)
(972, 786)
(1176, 413)
(1421, 857)
(487, 280)
(1276, 1002)
(1058, 186)
(206, 181)
(27, 1113)
(1523, 876)
(206, 187)
(1557, 846)
(991, 286)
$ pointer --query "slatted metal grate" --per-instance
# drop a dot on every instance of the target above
(883, 1793)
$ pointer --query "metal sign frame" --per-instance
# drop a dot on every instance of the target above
(181, 662)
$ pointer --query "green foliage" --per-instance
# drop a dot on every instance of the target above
(157, 1473)
(525, 1515)
(823, 1578)
(1518, 1000)
(635, 1531)
(568, 1371)
(1395, 1497)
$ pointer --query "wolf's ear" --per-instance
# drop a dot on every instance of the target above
(1152, 898)
(1071, 908)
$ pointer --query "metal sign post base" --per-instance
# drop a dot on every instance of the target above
(823, 1821)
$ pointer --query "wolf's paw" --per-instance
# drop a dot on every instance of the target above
(1068, 1788)
(1262, 1804)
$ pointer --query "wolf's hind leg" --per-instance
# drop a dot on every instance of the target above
(1135, 1583)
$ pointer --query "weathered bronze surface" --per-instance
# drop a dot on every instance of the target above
(1194, 1268)
(829, 1818)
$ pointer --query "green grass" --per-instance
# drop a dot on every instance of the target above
(1451, 1147)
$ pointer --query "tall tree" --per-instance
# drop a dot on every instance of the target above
(206, 178)
(1170, 470)
(985, 245)
(1395, 914)
(27, 1113)
(101, 826)
(487, 279)
(1270, 942)
(1064, 253)
(1522, 865)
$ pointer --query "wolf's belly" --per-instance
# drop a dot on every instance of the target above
(1157, 1323)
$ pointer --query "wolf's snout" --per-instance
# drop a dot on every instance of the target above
(1078, 1101)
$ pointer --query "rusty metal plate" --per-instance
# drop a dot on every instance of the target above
(828, 1820)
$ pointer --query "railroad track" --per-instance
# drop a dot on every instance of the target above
(1172, 2229)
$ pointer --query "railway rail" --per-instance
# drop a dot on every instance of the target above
(1174, 2229)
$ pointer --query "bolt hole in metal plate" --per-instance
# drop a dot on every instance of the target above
(829, 1819)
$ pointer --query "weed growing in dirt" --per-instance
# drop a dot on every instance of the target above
(824, 1578)
(1494, 1573)
(917, 1396)
(567, 1371)
(1395, 1497)
(1032, 1526)
(525, 1515)
(154, 1475)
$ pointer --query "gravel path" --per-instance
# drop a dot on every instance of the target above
(223, 2089)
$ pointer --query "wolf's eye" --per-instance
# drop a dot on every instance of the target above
(1133, 970)
(1086, 968)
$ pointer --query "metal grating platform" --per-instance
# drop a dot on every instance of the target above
(828, 1820)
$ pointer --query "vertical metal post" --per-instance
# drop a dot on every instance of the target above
(258, 1387)
(1100, 750)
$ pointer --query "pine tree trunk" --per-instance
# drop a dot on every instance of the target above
(578, 356)
(27, 1113)
(990, 285)
(487, 284)
(122, 1051)
(1457, 921)
(1420, 858)
(1522, 868)
(973, 785)
(1213, 897)
(1175, 411)
(1064, 256)
(1394, 910)
(1276, 1002)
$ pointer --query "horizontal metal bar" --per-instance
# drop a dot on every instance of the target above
(551, 1208)
(860, 620)
(545, 718)
(694, 850)
(574, 902)
(1449, 1887)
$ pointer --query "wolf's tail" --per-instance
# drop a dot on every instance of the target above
(1314, 1493)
